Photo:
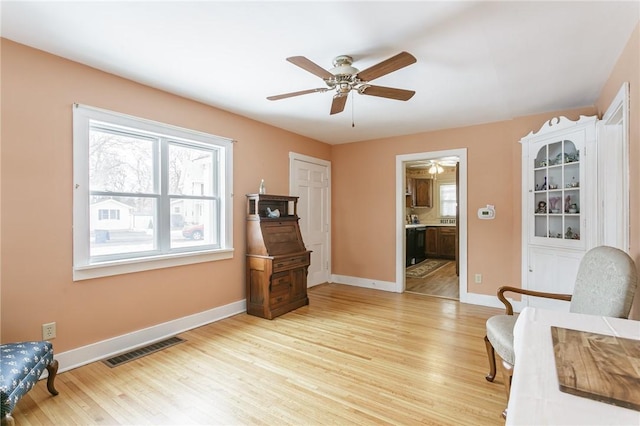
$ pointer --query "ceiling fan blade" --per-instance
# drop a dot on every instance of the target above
(310, 66)
(394, 63)
(388, 92)
(302, 92)
(338, 104)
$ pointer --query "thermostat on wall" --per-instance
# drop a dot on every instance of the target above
(488, 212)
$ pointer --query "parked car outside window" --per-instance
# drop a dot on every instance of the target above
(193, 232)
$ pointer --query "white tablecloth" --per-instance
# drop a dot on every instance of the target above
(535, 396)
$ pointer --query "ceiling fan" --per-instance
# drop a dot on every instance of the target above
(343, 78)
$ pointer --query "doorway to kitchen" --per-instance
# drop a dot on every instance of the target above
(431, 241)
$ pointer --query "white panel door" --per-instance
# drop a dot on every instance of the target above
(310, 182)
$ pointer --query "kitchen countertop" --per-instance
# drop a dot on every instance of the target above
(420, 225)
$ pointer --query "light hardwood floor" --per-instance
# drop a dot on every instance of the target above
(353, 356)
(442, 283)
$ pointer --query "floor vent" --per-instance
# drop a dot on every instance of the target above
(140, 352)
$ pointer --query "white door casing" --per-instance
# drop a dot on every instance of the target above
(310, 180)
(462, 219)
(613, 173)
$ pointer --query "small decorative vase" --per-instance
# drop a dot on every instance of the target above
(263, 189)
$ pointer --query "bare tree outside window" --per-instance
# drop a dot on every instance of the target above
(122, 173)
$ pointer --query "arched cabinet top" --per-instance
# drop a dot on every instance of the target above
(558, 124)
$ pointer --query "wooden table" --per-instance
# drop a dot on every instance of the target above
(536, 398)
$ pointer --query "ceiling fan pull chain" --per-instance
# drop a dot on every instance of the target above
(353, 101)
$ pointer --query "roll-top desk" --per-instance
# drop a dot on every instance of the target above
(277, 260)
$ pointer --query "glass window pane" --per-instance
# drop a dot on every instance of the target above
(447, 200)
(196, 225)
(120, 163)
(131, 229)
(191, 171)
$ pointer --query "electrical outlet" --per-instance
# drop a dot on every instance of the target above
(48, 331)
(478, 278)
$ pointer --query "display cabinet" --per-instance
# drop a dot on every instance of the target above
(558, 203)
(277, 260)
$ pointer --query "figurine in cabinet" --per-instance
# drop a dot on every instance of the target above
(553, 204)
(542, 207)
(569, 234)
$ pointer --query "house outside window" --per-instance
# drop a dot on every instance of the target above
(141, 189)
(104, 214)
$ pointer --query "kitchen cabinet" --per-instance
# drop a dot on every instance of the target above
(277, 260)
(441, 242)
(447, 237)
(420, 192)
(432, 242)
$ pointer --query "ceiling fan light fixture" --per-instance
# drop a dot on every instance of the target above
(436, 169)
(343, 87)
(344, 70)
(342, 66)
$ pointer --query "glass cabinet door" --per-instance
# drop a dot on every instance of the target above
(556, 192)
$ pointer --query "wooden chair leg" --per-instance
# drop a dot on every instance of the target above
(492, 360)
(53, 370)
(507, 376)
(7, 420)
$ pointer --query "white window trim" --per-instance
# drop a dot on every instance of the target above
(82, 269)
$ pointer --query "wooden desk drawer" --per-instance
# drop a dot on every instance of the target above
(280, 282)
(278, 299)
(290, 262)
(280, 290)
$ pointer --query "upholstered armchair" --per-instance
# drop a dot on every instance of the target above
(605, 285)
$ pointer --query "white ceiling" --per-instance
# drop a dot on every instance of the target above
(477, 62)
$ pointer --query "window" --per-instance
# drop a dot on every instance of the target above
(448, 200)
(147, 195)
(104, 214)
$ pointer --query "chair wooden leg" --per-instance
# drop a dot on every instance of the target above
(507, 376)
(53, 370)
(492, 360)
(7, 420)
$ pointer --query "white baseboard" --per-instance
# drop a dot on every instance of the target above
(470, 298)
(365, 282)
(110, 347)
(490, 301)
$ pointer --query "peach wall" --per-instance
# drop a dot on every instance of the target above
(364, 199)
(36, 164)
(628, 69)
(38, 90)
